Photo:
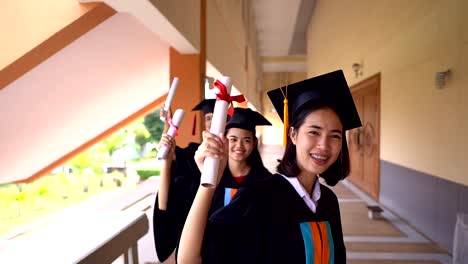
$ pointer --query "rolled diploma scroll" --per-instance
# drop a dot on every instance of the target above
(218, 124)
(176, 120)
(170, 96)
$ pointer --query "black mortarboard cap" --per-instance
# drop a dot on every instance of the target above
(247, 119)
(330, 89)
(206, 106)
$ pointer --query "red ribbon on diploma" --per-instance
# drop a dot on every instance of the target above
(223, 95)
(176, 129)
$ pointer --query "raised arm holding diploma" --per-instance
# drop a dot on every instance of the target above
(218, 123)
(178, 174)
(172, 132)
(212, 162)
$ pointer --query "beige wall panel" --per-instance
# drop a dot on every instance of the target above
(222, 51)
(415, 124)
(184, 15)
(253, 94)
(461, 165)
(407, 42)
(462, 11)
(233, 16)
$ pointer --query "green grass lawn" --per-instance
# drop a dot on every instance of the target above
(25, 203)
(22, 204)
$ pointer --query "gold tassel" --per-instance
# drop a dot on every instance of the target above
(286, 121)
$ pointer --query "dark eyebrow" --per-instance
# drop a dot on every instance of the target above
(319, 128)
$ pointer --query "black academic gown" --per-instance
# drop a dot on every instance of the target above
(185, 180)
(270, 223)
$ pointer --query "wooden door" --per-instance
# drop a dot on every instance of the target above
(364, 142)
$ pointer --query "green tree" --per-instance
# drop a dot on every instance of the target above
(140, 134)
(141, 138)
(114, 141)
(82, 161)
(154, 125)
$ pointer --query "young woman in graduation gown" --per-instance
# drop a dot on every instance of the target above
(245, 167)
(290, 217)
(177, 186)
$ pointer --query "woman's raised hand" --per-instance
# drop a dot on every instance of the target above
(168, 142)
(213, 146)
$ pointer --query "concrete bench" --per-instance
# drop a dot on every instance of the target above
(374, 212)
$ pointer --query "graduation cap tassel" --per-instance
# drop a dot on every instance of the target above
(194, 126)
(286, 121)
(285, 116)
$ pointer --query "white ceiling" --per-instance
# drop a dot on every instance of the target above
(275, 22)
(281, 30)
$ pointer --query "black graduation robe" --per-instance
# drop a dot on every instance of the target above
(270, 223)
(185, 180)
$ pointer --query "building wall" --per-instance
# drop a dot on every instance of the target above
(231, 40)
(422, 128)
(229, 47)
(410, 193)
(424, 173)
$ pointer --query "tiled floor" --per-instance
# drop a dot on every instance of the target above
(384, 241)
(373, 261)
(356, 222)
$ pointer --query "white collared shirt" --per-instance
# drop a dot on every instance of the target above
(311, 201)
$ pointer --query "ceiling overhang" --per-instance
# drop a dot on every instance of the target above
(154, 20)
(284, 64)
(89, 86)
(282, 33)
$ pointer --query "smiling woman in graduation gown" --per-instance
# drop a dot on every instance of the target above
(290, 217)
(272, 224)
(245, 168)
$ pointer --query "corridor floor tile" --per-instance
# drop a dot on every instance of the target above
(394, 247)
(342, 192)
(373, 261)
(356, 222)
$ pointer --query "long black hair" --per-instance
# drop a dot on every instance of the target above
(288, 165)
